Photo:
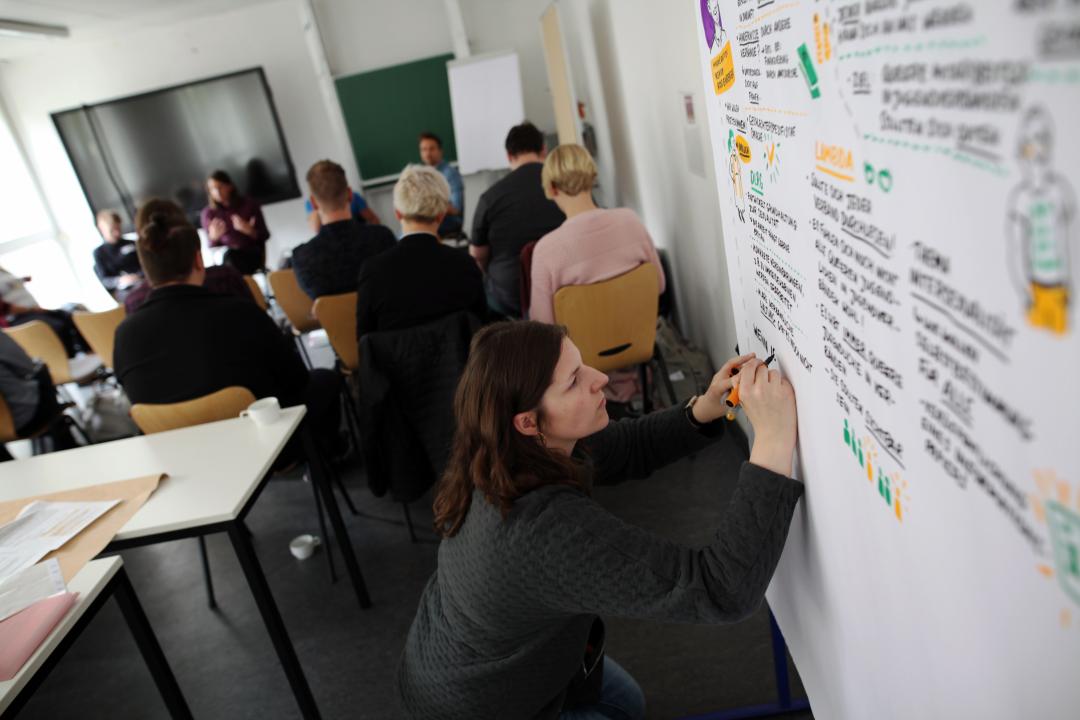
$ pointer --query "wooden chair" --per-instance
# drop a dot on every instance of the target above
(257, 293)
(7, 423)
(296, 305)
(613, 323)
(39, 341)
(337, 315)
(99, 330)
(221, 405)
(224, 404)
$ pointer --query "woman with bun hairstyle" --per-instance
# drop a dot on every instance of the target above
(509, 626)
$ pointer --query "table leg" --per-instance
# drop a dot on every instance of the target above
(149, 647)
(245, 553)
(320, 475)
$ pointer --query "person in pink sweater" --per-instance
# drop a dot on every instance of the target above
(593, 244)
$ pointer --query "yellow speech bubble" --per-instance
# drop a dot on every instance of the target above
(723, 70)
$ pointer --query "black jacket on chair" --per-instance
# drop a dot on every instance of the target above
(407, 384)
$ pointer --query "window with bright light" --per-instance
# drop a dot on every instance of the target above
(22, 213)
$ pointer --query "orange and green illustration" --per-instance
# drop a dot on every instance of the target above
(889, 486)
(1058, 507)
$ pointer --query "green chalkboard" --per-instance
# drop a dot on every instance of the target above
(386, 109)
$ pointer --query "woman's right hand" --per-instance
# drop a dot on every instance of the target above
(217, 229)
(769, 402)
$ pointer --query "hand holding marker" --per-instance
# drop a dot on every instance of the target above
(732, 400)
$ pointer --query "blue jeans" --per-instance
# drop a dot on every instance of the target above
(620, 698)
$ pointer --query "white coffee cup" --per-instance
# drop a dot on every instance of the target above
(302, 546)
(263, 411)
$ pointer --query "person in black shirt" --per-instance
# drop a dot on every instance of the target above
(185, 342)
(116, 262)
(510, 214)
(330, 262)
(419, 279)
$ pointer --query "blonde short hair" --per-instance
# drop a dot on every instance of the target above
(570, 169)
(421, 194)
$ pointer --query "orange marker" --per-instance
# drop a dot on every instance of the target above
(733, 396)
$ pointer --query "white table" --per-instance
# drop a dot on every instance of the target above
(96, 583)
(216, 472)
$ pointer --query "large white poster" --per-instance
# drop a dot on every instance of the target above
(898, 183)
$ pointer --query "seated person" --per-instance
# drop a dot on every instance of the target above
(18, 307)
(419, 279)
(431, 154)
(115, 261)
(511, 214)
(358, 206)
(593, 244)
(220, 279)
(186, 342)
(330, 262)
(30, 396)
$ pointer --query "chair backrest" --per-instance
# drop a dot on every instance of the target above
(613, 323)
(257, 293)
(221, 405)
(337, 315)
(99, 330)
(293, 301)
(7, 423)
(40, 341)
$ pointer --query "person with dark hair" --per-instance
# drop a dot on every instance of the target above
(236, 222)
(330, 262)
(511, 214)
(115, 261)
(220, 279)
(509, 625)
(185, 341)
(431, 154)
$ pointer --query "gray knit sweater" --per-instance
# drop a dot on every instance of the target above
(502, 624)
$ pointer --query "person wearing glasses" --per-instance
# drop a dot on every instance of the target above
(510, 624)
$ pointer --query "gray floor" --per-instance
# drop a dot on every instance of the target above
(226, 666)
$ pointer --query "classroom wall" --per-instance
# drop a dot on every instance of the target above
(646, 59)
(139, 58)
(355, 43)
(268, 35)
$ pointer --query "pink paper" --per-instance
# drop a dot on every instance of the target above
(22, 633)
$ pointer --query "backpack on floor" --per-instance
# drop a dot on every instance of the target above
(689, 368)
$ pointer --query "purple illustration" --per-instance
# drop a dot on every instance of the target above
(715, 35)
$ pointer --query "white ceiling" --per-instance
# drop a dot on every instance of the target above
(87, 19)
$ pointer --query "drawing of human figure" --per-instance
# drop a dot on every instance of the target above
(1041, 214)
(715, 35)
(735, 170)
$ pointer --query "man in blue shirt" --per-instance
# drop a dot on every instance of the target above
(431, 152)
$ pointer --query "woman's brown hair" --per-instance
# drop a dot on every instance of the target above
(222, 177)
(511, 365)
(166, 247)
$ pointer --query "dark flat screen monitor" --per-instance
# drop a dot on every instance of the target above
(166, 142)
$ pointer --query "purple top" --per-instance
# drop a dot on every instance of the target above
(247, 209)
